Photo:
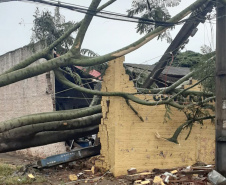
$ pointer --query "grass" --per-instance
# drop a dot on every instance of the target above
(8, 176)
(7, 169)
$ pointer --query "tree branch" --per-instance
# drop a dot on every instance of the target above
(177, 83)
(68, 59)
(188, 88)
(185, 93)
(84, 26)
(134, 110)
(61, 78)
(46, 51)
(184, 125)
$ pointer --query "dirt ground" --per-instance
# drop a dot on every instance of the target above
(23, 166)
(21, 170)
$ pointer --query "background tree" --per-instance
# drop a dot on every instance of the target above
(153, 10)
(187, 59)
(48, 28)
(206, 67)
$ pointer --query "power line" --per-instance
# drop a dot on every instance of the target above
(103, 14)
(112, 15)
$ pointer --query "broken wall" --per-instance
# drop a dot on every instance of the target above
(127, 142)
(29, 96)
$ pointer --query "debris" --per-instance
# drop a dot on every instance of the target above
(88, 172)
(137, 182)
(216, 178)
(174, 171)
(147, 182)
(191, 175)
(72, 165)
(158, 180)
(93, 169)
(31, 176)
(69, 156)
(157, 171)
(195, 172)
(139, 176)
(80, 175)
(167, 176)
(132, 171)
(73, 177)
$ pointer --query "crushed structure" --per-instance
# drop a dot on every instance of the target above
(128, 142)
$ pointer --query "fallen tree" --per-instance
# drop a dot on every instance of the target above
(70, 124)
(44, 138)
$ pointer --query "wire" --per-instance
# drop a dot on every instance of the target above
(117, 16)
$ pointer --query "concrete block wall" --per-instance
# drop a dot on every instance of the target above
(128, 142)
(33, 95)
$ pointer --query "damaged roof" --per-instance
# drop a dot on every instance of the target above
(93, 72)
(169, 70)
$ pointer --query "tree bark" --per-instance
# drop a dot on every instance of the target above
(49, 116)
(47, 138)
(31, 130)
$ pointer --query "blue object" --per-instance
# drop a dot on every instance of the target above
(83, 143)
(69, 156)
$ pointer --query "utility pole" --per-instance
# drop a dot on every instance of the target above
(186, 31)
(220, 159)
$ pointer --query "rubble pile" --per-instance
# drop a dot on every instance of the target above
(191, 175)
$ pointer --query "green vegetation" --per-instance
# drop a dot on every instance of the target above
(187, 59)
(197, 61)
(9, 176)
(49, 28)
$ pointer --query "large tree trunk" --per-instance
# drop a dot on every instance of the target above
(45, 128)
(47, 138)
(48, 116)
(29, 131)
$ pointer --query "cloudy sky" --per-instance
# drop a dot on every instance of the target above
(103, 35)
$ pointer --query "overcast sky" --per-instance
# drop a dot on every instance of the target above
(103, 35)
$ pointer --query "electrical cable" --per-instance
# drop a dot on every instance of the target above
(119, 17)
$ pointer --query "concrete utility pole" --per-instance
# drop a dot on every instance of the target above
(186, 31)
(221, 90)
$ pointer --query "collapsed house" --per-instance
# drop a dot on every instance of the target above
(126, 140)
(135, 135)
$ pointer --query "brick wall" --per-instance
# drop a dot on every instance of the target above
(128, 142)
(33, 95)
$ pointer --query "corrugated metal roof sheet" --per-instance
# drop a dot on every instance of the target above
(176, 71)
